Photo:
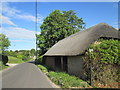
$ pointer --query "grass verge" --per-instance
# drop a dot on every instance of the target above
(3, 66)
(63, 79)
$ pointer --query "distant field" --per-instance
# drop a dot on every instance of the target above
(14, 60)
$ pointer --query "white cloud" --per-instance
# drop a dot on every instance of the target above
(15, 13)
(6, 20)
(28, 17)
(22, 40)
(38, 33)
(116, 24)
(17, 40)
(9, 11)
(40, 18)
(19, 33)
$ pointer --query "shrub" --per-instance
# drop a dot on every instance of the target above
(39, 60)
(25, 57)
(4, 59)
(105, 61)
(108, 51)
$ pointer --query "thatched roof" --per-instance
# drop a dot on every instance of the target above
(77, 43)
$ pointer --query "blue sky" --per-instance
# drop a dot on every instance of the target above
(18, 18)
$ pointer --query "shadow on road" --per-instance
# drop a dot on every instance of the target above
(31, 62)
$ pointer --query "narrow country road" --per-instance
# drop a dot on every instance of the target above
(25, 75)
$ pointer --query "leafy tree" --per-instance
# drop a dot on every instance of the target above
(16, 51)
(32, 51)
(4, 42)
(75, 23)
(57, 26)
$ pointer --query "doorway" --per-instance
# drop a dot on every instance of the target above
(65, 64)
(58, 63)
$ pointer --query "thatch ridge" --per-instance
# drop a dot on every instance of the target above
(77, 43)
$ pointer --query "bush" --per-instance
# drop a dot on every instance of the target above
(108, 51)
(105, 61)
(39, 60)
(4, 59)
(25, 58)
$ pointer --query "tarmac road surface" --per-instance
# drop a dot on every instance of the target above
(25, 75)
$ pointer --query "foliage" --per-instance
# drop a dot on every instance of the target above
(108, 51)
(57, 26)
(10, 53)
(105, 62)
(2, 66)
(4, 42)
(4, 59)
(39, 60)
(25, 55)
(63, 79)
(66, 80)
(32, 51)
(43, 68)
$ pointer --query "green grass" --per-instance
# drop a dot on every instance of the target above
(66, 80)
(63, 79)
(3, 66)
(11, 60)
(42, 68)
(14, 60)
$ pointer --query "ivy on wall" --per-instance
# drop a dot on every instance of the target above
(105, 62)
(108, 51)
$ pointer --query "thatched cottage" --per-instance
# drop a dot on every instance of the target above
(66, 55)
